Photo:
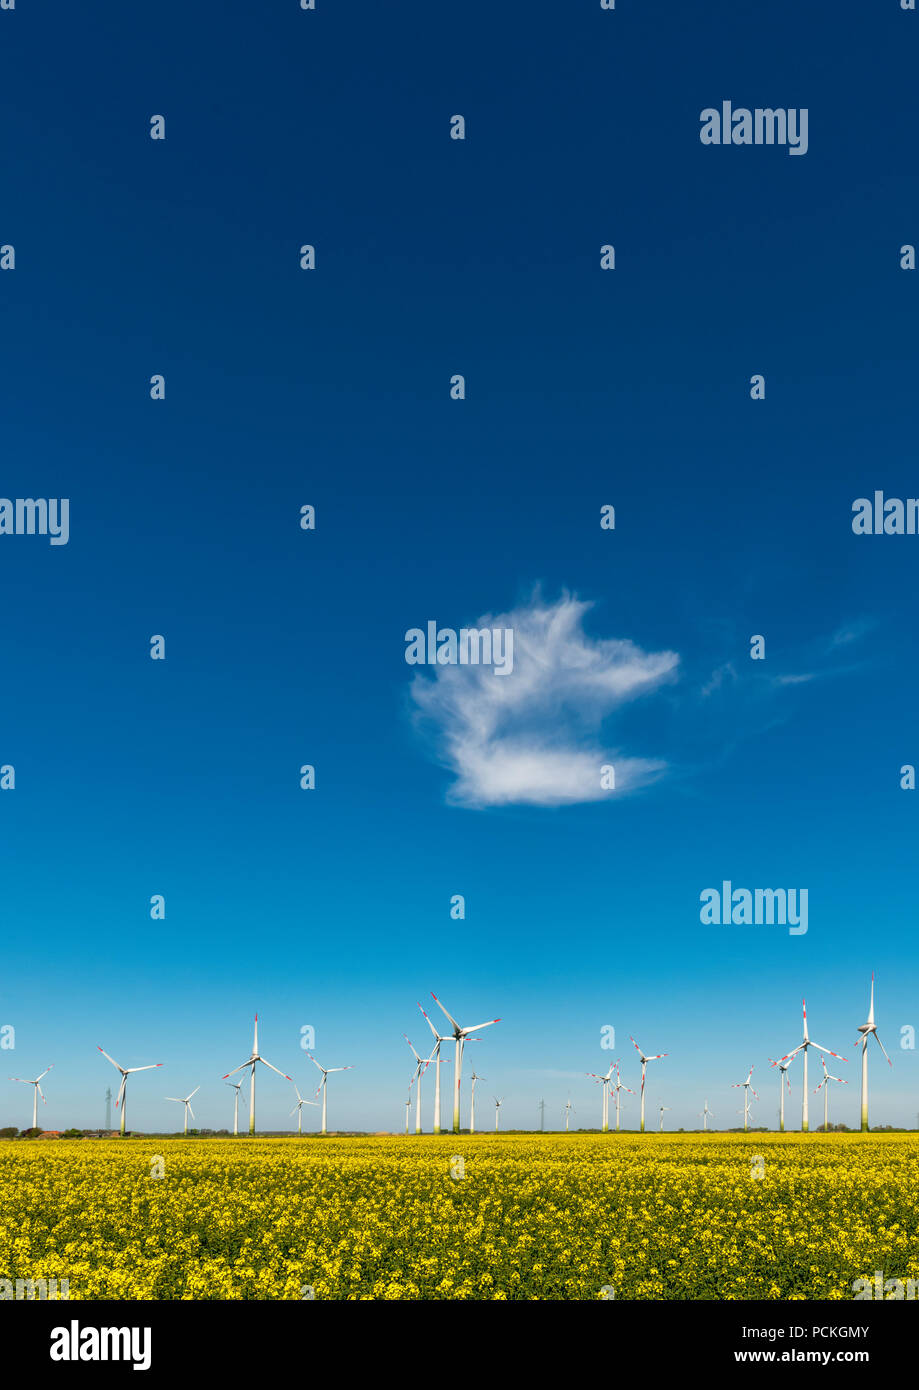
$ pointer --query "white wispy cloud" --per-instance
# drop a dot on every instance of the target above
(531, 737)
(801, 679)
(852, 632)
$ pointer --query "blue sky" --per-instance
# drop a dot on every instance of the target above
(733, 517)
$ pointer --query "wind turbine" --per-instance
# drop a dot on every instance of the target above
(805, 1047)
(644, 1063)
(299, 1108)
(187, 1103)
(866, 1029)
(704, 1114)
(255, 1057)
(473, 1079)
(235, 1086)
(747, 1088)
(420, 1067)
(125, 1073)
(827, 1077)
(460, 1035)
(662, 1109)
(497, 1108)
(408, 1106)
(38, 1092)
(324, 1082)
(614, 1091)
(568, 1109)
(604, 1083)
(783, 1082)
(435, 1058)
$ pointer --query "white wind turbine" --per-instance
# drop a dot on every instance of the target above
(459, 1035)
(747, 1088)
(125, 1073)
(473, 1078)
(655, 1057)
(614, 1091)
(704, 1114)
(299, 1108)
(187, 1103)
(324, 1082)
(568, 1109)
(804, 1048)
(662, 1109)
(408, 1106)
(783, 1082)
(827, 1078)
(421, 1066)
(866, 1030)
(235, 1086)
(435, 1058)
(254, 1058)
(604, 1083)
(497, 1108)
(38, 1092)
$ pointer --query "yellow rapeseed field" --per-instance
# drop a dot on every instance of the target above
(483, 1217)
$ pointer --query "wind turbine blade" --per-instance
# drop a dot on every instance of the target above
(235, 1070)
(480, 1025)
(881, 1046)
(274, 1068)
(151, 1067)
(444, 1011)
(190, 1111)
(830, 1053)
(315, 1063)
(124, 1082)
(111, 1059)
(44, 1073)
(430, 1024)
(195, 1092)
(41, 1093)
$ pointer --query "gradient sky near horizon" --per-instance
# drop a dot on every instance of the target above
(331, 908)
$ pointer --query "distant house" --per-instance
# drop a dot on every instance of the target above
(50, 1134)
